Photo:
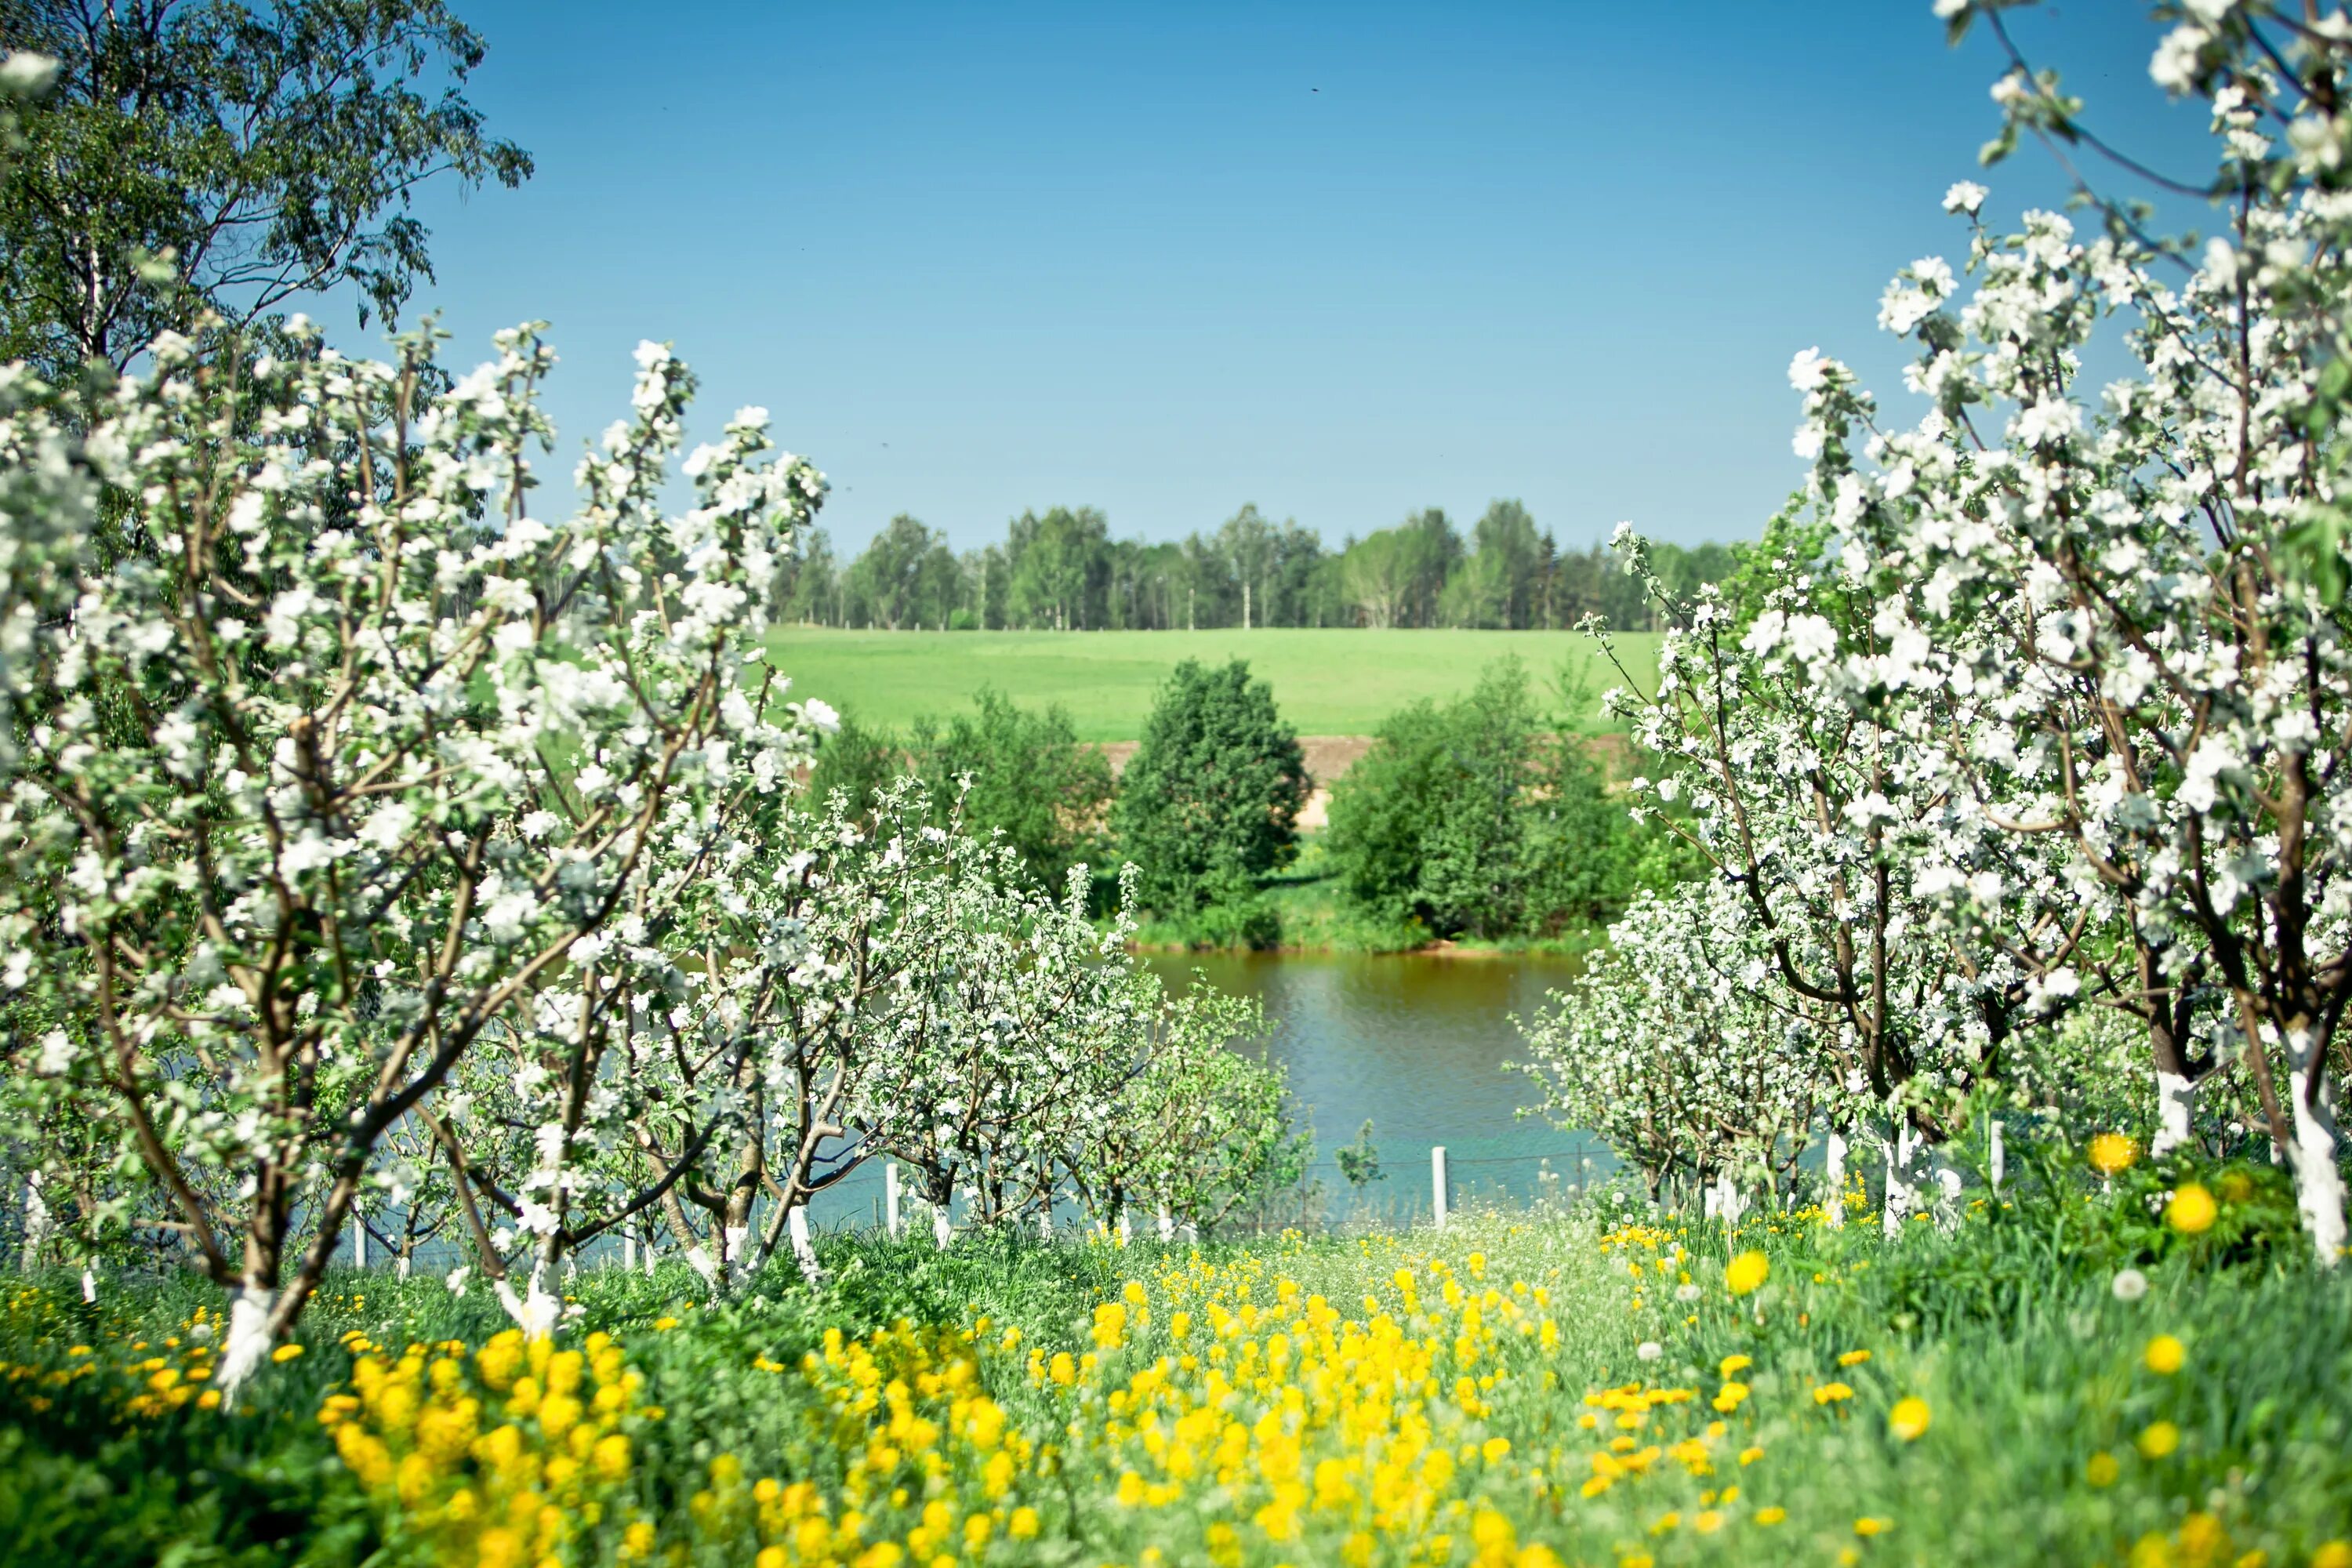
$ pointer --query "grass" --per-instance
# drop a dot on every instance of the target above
(1525, 1389)
(1325, 682)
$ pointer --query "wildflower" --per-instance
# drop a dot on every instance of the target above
(1649, 1350)
(285, 1354)
(1731, 1363)
(2130, 1284)
(1686, 1293)
(1909, 1418)
(1867, 1527)
(2161, 1438)
(2101, 1470)
(2332, 1554)
(1746, 1272)
(1854, 1358)
(2191, 1211)
(2113, 1153)
(1832, 1393)
(663, 1325)
(2165, 1355)
(1772, 1515)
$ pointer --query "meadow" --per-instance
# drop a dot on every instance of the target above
(1327, 682)
(2086, 1375)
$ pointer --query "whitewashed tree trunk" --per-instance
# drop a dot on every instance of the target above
(359, 1238)
(1045, 1220)
(534, 1311)
(890, 1201)
(36, 1223)
(1835, 1208)
(1126, 1225)
(628, 1249)
(2176, 1113)
(1166, 1224)
(803, 1249)
(942, 1227)
(2318, 1183)
(247, 1342)
(1902, 1198)
(1996, 1138)
(1946, 1181)
(88, 1284)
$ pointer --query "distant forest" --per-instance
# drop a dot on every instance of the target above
(1061, 571)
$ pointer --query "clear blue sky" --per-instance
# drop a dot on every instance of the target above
(1339, 260)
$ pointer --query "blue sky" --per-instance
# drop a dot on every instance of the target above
(1342, 261)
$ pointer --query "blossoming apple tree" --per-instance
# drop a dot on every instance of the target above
(329, 754)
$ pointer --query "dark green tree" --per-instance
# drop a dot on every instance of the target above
(257, 153)
(1475, 819)
(1209, 802)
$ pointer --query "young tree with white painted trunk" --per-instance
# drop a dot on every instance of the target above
(1031, 1025)
(326, 755)
(2177, 554)
(1201, 1129)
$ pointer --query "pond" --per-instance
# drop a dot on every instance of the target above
(1415, 1042)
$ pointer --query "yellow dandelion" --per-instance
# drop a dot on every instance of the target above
(2165, 1355)
(2111, 1153)
(2191, 1211)
(2161, 1438)
(1744, 1273)
(1909, 1418)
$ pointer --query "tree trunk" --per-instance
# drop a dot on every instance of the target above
(2318, 1183)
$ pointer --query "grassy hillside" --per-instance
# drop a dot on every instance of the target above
(1328, 682)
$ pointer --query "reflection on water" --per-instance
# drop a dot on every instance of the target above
(1414, 1042)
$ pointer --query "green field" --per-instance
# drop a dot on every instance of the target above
(1327, 682)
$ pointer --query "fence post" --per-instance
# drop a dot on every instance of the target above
(1437, 1182)
(890, 1197)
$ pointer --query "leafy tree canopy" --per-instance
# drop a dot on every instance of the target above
(259, 152)
(1213, 791)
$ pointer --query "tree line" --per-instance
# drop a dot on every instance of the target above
(1062, 571)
